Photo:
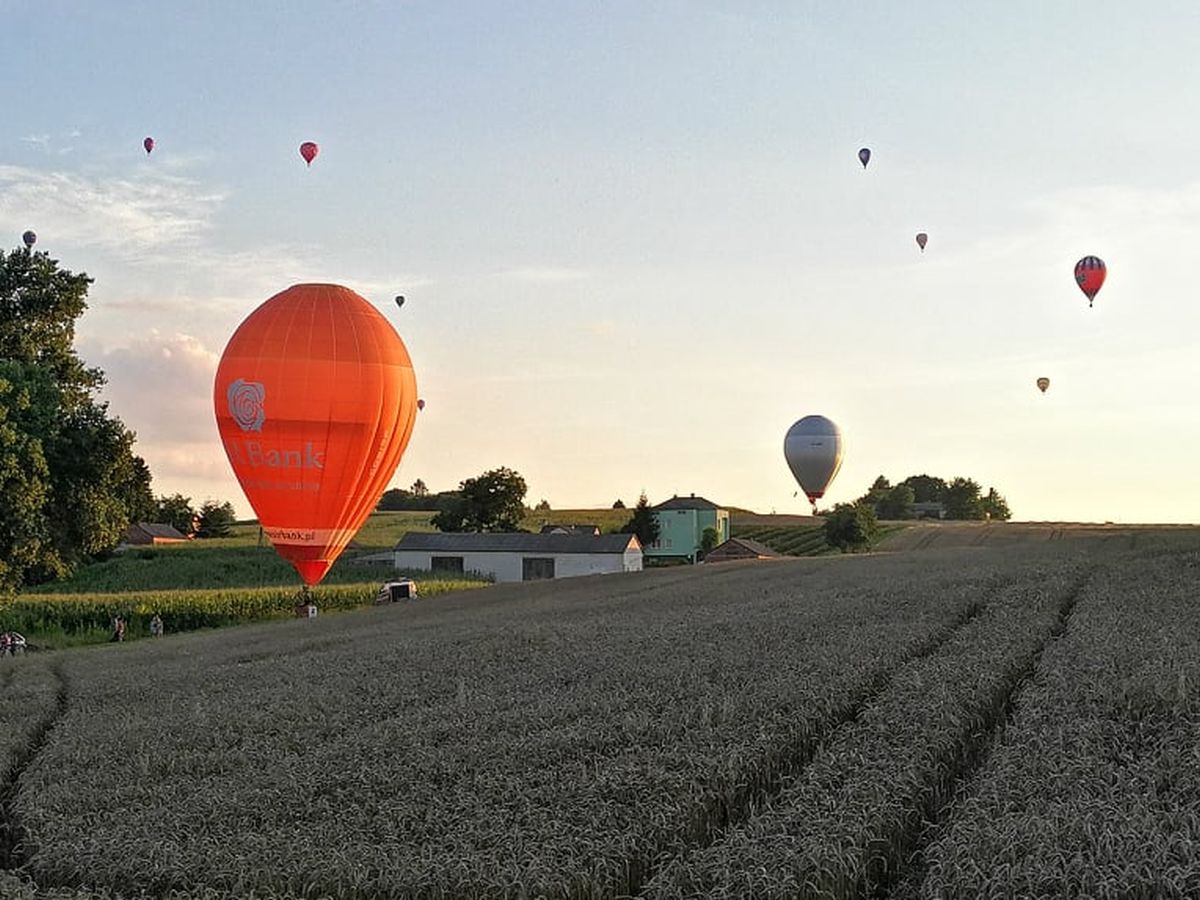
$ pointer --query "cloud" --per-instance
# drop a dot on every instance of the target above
(133, 220)
(544, 274)
(160, 385)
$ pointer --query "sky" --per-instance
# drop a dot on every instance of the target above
(635, 238)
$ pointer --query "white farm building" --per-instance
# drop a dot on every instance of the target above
(519, 556)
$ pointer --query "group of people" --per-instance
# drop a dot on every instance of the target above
(118, 628)
(11, 644)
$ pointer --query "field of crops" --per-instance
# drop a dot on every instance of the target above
(992, 722)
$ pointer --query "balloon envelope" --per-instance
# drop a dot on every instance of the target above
(1042, 384)
(309, 151)
(864, 156)
(315, 400)
(1089, 275)
(148, 143)
(29, 238)
(813, 450)
(922, 239)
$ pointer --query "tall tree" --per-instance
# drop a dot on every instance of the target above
(926, 488)
(643, 523)
(878, 491)
(962, 499)
(419, 489)
(176, 511)
(493, 501)
(897, 503)
(216, 519)
(70, 478)
(995, 507)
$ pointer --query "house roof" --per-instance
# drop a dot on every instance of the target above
(551, 528)
(154, 529)
(692, 502)
(519, 542)
(753, 546)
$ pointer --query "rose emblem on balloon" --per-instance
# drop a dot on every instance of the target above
(246, 404)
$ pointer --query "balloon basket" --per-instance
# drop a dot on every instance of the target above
(306, 611)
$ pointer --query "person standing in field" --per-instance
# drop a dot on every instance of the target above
(118, 629)
(156, 626)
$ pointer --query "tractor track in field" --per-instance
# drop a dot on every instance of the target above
(764, 781)
(13, 856)
(908, 862)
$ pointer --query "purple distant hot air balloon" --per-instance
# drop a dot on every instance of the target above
(864, 156)
(921, 240)
(30, 239)
(148, 143)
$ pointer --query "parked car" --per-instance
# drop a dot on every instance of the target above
(394, 591)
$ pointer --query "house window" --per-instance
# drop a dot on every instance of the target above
(446, 564)
(537, 568)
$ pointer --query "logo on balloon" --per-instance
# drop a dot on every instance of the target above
(246, 404)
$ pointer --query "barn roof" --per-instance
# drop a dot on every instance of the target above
(692, 502)
(743, 547)
(155, 529)
(518, 542)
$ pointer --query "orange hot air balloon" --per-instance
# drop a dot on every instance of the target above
(315, 399)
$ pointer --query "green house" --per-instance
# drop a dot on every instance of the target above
(681, 524)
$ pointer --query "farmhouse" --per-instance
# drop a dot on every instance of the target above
(143, 533)
(681, 524)
(740, 548)
(519, 556)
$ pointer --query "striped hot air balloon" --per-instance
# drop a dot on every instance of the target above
(1089, 275)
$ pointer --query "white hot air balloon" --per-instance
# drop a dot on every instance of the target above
(813, 450)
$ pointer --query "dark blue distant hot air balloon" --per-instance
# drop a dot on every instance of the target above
(30, 239)
(864, 156)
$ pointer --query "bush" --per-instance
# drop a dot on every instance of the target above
(851, 527)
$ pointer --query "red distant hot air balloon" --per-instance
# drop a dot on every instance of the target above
(148, 143)
(922, 238)
(309, 151)
(420, 404)
(315, 399)
(1089, 275)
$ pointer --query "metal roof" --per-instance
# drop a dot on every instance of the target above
(518, 542)
(692, 502)
(155, 529)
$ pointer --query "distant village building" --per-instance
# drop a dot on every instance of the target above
(550, 528)
(929, 510)
(741, 548)
(151, 533)
(519, 556)
(681, 524)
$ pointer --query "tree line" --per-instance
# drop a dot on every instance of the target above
(70, 481)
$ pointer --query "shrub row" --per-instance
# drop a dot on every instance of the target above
(184, 610)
